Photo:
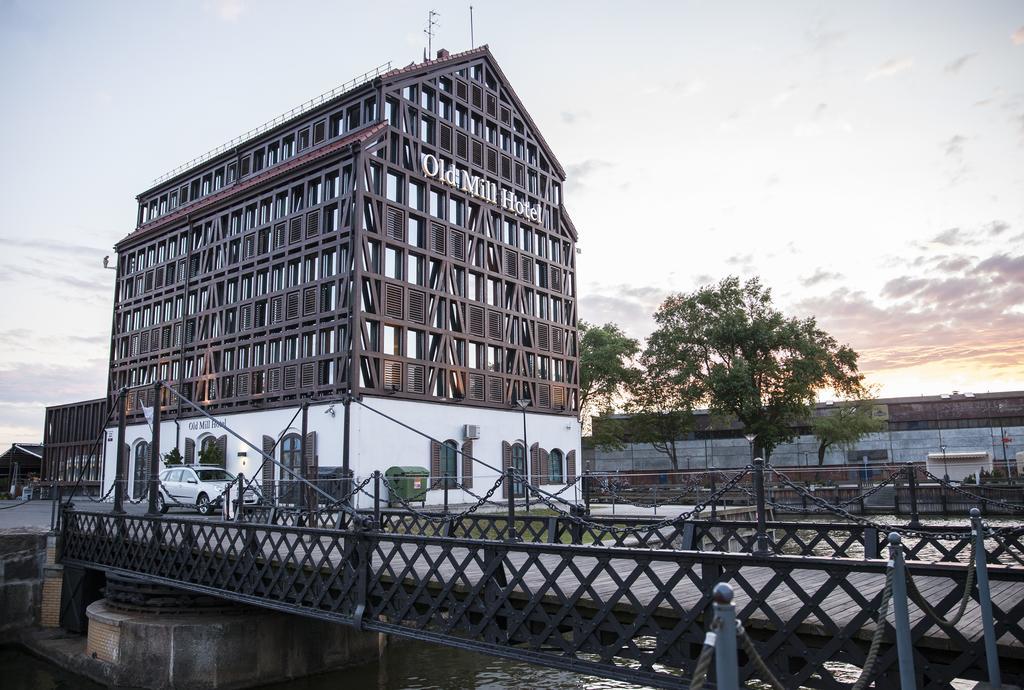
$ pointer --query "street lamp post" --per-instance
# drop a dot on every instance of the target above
(945, 467)
(750, 439)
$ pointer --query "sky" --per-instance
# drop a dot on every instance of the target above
(865, 159)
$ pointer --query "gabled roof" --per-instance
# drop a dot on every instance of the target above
(414, 69)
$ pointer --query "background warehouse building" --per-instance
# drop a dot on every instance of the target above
(403, 238)
(956, 434)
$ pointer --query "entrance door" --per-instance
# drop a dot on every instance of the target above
(291, 457)
(139, 471)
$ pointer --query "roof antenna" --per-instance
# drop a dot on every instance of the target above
(472, 41)
(429, 31)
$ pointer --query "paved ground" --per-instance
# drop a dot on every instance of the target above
(38, 513)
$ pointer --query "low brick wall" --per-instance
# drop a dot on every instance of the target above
(23, 556)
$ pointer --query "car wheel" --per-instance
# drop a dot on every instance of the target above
(161, 505)
(203, 504)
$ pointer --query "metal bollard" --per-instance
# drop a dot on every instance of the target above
(985, 600)
(726, 664)
(714, 501)
(510, 485)
(901, 612)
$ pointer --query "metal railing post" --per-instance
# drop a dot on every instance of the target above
(985, 600)
(446, 480)
(714, 501)
(901, 612)
(586, 492)
(915, 520)
(120, 459)
(761, 540)
(511, 491)
(154, 453)
(240, 501)
(726, 663)
(376, 499)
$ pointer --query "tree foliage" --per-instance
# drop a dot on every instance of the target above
(661, 409)
(173, 457)
(726, 346)
(845, 424)
(606, 366)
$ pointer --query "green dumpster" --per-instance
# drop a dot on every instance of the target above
(409, 482)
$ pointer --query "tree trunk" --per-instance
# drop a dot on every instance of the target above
(822, 447)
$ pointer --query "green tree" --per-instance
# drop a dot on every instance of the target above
(728, 346)
(211, 455)
(606, 367)
(661, 410)
(845, 424)
(173, 457)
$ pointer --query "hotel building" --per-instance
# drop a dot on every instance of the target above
(402, 238)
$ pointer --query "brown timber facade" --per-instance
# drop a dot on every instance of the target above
(322, 257)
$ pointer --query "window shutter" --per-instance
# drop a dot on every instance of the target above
(437, 238)
(476, 387)
(295, 231)
(392, 375)
(190, 451)
(557, 341)
(535, 472)
(396, 224)
(511, 263)
(494, 325)
(545, 467)
(290, 377)
(415, 378)
(445, 137)
(467, 464)
(417, 306)
(292, 306)
(570, 465)
(222, 446)
(435, 460)
(461, 145)
(476, 320)
(494, 390)
(393, 301)
(506, 462)
(457, 245)
(309, 454)
(308, 375)
(312, 224)
(267, 474)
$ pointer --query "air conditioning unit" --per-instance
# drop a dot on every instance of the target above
(470, 431)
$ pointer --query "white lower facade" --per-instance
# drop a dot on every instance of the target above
(376, 443)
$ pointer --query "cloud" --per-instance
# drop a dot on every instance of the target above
(1018, 36)
(952, 236)
(578, 174)
(227, 10)
(571, 118)
(890, 68)
(631, 307)
(9, 273)
(37, 384)
(958, 64)
(818, 277)
(54, 247)
(968, 320)
(955, 146)
(822, 39)
(997, 228)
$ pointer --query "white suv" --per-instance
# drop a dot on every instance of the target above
(202, 487)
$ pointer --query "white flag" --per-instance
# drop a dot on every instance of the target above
(147, 412)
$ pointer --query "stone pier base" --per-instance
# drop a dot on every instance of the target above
(216, 650)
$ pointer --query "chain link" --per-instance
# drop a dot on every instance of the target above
(991, 501)
(915, 595)
(600, 528)
(876, 639)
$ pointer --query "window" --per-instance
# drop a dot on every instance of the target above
(555, 467)
(394, 188)
(291, 459)
(449, 464)
(519, 465)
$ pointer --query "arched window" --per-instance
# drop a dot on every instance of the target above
(140, 472)
(556, 468)
(519, 465)
(291, 457)
(449, 464)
